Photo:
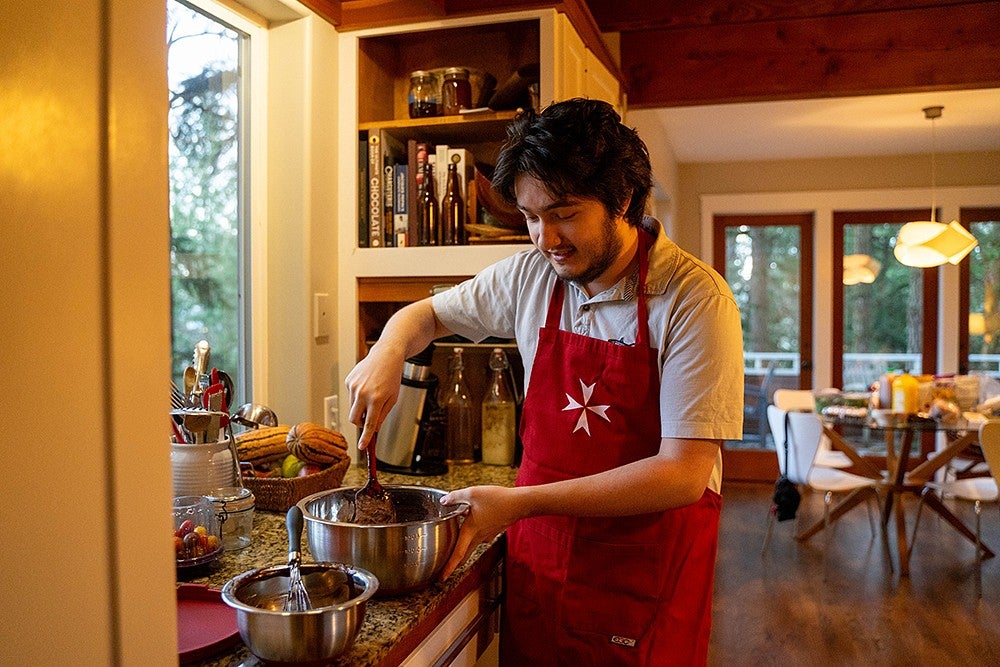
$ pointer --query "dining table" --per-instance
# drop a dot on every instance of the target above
(903, 474)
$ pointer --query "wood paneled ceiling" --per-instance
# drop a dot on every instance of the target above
(700, 52)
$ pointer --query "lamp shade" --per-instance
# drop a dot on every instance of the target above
(924, 244)
(977, 324)
(860, 269)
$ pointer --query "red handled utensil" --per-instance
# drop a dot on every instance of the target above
(372, 504)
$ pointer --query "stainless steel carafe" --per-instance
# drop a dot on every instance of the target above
(404, 438)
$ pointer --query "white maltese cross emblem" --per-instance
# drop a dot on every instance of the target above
(584, 407)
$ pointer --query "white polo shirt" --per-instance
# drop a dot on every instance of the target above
(694, 322)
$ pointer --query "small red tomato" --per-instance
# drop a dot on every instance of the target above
(186, 527)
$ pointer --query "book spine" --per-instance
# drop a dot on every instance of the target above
(375, 230)
(400, 205)
(388, 200)
(363, 191)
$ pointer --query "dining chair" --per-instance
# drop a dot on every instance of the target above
(805, 430)
(801, 400)
(755, 400)
(978, 490)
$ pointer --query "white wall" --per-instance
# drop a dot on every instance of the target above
(302, 223)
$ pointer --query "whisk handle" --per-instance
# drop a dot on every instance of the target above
(293, 523)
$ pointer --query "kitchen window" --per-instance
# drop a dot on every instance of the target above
(210, 174)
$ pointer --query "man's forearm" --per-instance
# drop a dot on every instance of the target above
(410, 330)
(654, 484)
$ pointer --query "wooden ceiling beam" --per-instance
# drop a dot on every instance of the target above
(927, 48)
(639, 15)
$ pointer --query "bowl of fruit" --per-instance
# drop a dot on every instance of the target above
(197, 533)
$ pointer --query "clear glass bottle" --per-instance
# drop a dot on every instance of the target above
(423, 97)
(458, 407)
(430, 215)
(456, 91)
(453, 210)
(499, 412)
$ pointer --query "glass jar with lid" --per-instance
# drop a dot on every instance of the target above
(456, 91)
(423, 98)
(234, 506)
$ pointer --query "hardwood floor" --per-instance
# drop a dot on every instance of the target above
(777, 610)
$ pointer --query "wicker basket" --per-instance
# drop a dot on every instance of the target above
(280, 493)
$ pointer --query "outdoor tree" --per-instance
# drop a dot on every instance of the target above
(204, 187)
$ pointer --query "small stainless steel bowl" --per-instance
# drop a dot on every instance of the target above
(406, 556)
(339, 594)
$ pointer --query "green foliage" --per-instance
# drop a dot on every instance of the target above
(204, 188)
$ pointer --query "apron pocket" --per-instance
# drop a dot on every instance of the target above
(612, 590)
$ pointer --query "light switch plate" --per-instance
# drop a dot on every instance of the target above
(321, 315)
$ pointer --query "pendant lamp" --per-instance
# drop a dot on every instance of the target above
(860, 269)
(928, 243)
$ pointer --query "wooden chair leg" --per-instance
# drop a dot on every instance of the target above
(979, 555)
(827, 499)
(916, 522)
(767, 535)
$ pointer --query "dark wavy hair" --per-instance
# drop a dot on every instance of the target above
(578, 148)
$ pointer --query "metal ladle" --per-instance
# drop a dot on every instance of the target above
(254, 415)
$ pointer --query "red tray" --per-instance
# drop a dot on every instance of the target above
(205, 624)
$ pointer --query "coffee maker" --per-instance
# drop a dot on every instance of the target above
(411, 440)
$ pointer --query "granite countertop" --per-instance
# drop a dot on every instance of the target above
(386, 620)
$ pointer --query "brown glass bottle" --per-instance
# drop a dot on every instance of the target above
(453, 210)
(430, 219)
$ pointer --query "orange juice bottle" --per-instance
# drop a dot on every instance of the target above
(904, 393)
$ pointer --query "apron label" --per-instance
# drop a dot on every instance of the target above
(623, 641)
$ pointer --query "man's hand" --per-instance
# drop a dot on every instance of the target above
(373, 387)
(491, 510)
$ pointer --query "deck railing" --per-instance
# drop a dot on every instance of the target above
(860, 369)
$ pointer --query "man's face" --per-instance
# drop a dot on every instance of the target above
(581, 240)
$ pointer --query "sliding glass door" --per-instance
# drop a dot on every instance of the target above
(889, 323)
(767, 260)
(979, 326)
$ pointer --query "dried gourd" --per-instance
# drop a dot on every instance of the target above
(317, 444)
(262, 445)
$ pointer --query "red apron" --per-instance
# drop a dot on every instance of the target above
(634, 590)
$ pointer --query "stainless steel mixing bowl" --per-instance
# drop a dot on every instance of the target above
(406, 556)
(339, 594)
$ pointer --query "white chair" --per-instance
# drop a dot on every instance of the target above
(975, 489)
(804, 433)
(801, 400)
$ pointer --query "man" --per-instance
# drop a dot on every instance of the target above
(634, 375)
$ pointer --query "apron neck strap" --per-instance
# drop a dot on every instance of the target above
(642, 335)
